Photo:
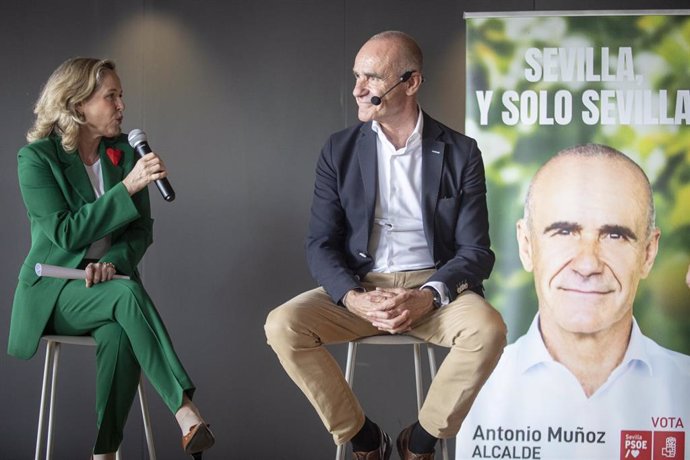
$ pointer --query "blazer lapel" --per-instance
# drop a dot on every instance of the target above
(76, 174)
(366, 154)
(433, 155)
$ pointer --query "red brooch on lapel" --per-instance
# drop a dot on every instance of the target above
(114, 154)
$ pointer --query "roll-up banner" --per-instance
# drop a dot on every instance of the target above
(592, 281)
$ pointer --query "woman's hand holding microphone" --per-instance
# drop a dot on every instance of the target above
(147, 169)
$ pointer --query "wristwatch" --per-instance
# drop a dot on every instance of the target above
(437, 297)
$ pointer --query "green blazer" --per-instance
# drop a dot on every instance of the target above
(65, 219)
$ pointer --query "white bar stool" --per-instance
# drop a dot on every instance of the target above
(53, 343)
(399, 339)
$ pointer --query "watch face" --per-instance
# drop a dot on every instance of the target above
(436, 295)
(437, 301)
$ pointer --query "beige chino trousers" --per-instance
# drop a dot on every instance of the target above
(472, 329)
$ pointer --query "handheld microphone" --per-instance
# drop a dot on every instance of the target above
(137, 139)
(376, 100)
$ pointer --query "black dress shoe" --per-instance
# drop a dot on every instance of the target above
(383, 452)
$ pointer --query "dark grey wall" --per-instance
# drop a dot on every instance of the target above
(238, 97)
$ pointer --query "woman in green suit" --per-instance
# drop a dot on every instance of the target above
(86, 196)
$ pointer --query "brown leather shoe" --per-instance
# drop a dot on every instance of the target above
(404, 441)
(198, 439)
(382, 453)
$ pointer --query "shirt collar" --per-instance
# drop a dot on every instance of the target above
(637, 349)
(414, 136)
(533, 350)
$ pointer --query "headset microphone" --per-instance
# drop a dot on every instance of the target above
(376, 100)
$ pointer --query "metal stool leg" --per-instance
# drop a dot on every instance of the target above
(44, 389)
(51, 409)
(350, 366)
(349, 378)
(148, 431)
(432, 371)
(147, 421)
(432, 360)
(418, 376)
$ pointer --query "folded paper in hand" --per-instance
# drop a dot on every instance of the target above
(54, 271)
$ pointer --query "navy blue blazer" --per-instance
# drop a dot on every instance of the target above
(454, 209)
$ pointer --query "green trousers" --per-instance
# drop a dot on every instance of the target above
(130, 337)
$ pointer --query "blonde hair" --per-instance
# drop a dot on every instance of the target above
(73, 82)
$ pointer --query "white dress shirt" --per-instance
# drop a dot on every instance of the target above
(100, 247)
(532, 407)
(398, 242)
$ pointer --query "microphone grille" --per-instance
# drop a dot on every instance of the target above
(375, 100)
(136, 136)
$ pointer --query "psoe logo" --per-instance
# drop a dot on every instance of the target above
(636, 445)
(652, 445)
(669, 445)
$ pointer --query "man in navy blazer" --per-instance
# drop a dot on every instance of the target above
(398, 241)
